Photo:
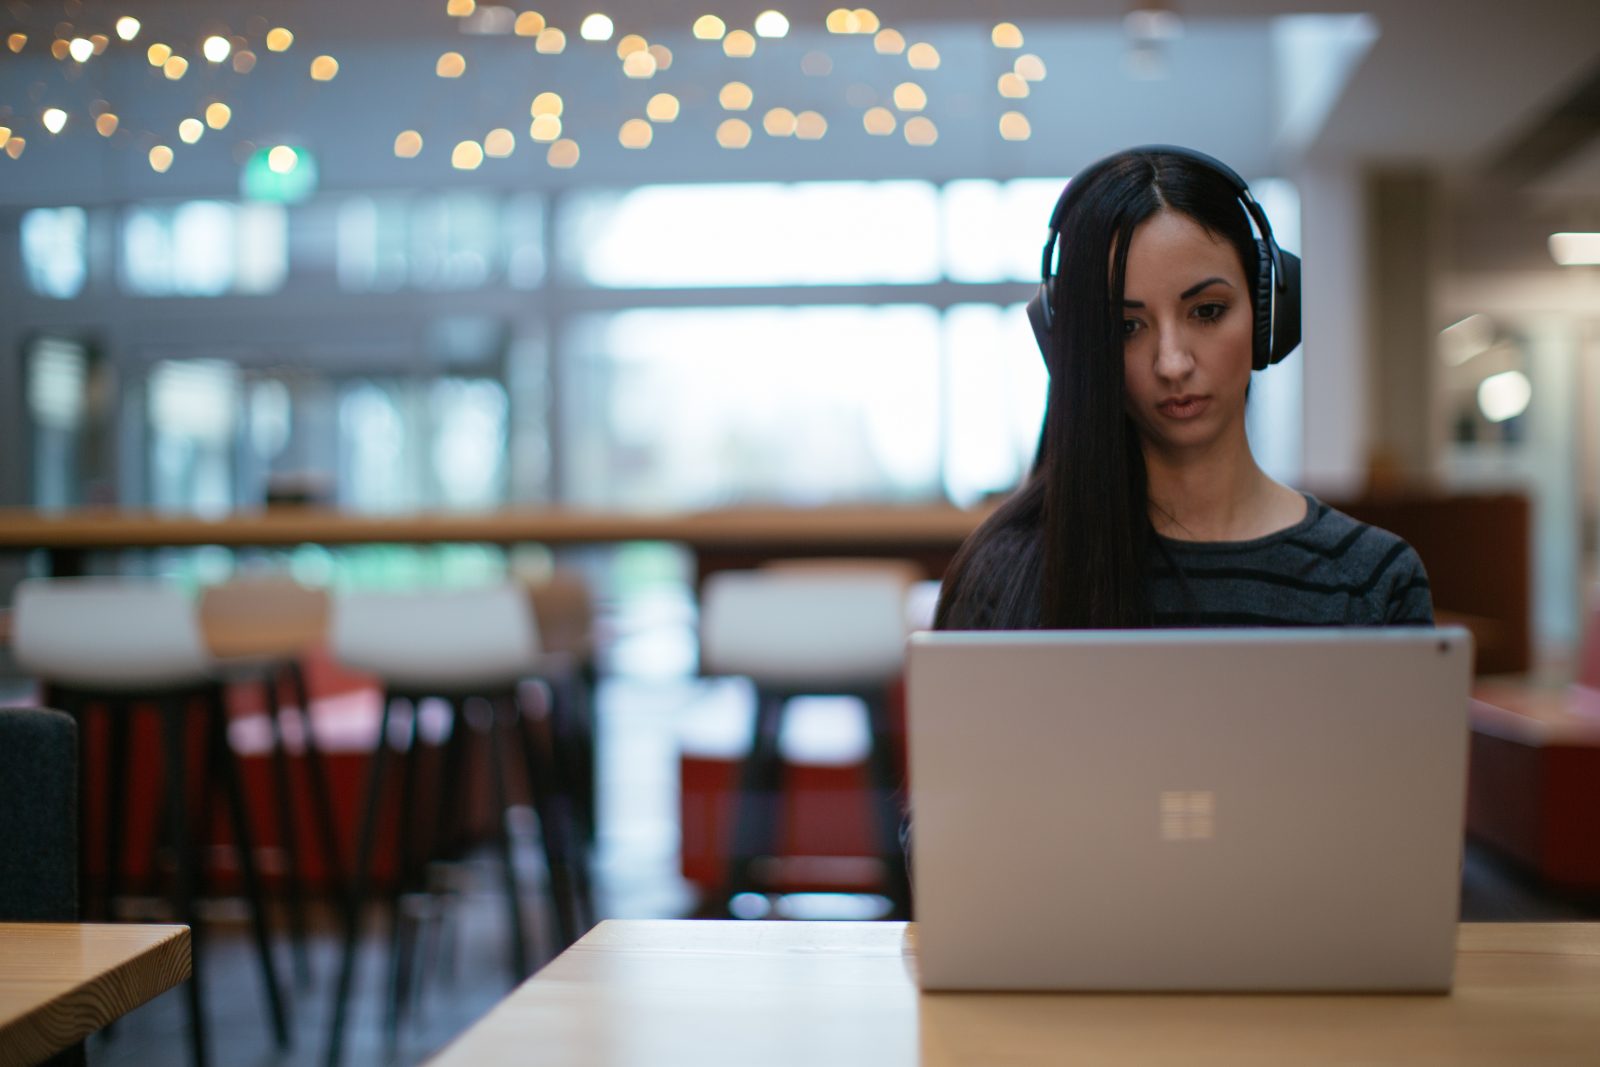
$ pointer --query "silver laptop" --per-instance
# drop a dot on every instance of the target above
(1181, 810)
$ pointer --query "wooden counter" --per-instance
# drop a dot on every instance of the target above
(706, 994)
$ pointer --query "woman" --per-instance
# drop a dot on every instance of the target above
(1145, 506)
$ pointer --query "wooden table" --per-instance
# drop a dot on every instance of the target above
(704, 994)
(60, 982)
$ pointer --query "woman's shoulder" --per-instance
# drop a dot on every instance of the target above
(1372, 559)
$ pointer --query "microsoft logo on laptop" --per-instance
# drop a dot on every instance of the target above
(1187, 816)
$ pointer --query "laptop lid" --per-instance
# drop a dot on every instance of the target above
(1188, 809)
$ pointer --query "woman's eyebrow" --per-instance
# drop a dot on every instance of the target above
(1186, 294)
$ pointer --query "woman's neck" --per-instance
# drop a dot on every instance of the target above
(1219, 495)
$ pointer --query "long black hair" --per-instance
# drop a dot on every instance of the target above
(1070, 548)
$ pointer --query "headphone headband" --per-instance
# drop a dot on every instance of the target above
(1277, 286)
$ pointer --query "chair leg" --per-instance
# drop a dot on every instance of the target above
(294, 895)
(563, 855)
(406, 859)
(228, 767)
(760, 793)
(118, 714)
(174, 737)
(321, 800)
(357, 889)
(885, 790)
(502, 716)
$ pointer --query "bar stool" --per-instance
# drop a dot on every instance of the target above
(808, 631)
(563, 610)
(122, 642)
(469, 648)
(257, 629)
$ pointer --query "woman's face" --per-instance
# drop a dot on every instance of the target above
(1187, 329)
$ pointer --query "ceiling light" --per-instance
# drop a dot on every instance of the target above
(54, 119)
(923, 56)
(282, 159)
(190, 130)
(279, 40)
(218, 115)
(160, 158)
(451, 65)
(630, 44)
(216, 49)
(810, 126)
(528, 24)
(550, 41)
(175, 67)
(908, 96)
(468, 155)
(596, 27)
(460, 8)
(1014, 126)
(1012, 86)
(1029, 68)
(779, 122)
(879, 121)
(244, 61)
(547, 104)
(735, 96)
(662, 55)
(499, 144)
(127, 27)
(408, 144)
(739, 45)
(663, 107)
(545, 128)
(709, 28)
(324, 68)
(158, 54)
(1575, 249)
(639, 65)
(1006, 35)
(920, 131)
(1504, 396)
(635, 133)
(733, 133)
(81, 49)
(889, 43)
(105, 125)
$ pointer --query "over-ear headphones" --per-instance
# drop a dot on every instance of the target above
(1276, 296)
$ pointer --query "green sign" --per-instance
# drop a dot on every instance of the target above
(281, 174)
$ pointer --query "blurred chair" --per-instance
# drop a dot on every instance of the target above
(563, 609)
(809, 629)
(471, 649)
(257, 629)
(125, 642)
(39, 831)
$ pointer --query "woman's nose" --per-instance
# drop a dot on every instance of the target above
(1174, 359)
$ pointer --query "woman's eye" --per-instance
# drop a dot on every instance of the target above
(1130, 327)
(1210, 312)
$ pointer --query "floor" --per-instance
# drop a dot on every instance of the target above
(639, 722)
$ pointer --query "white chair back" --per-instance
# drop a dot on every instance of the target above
(124, 634)
(439, 640)
(802, 627)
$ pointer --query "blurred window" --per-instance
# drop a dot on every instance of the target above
(54, 250)
(193, 412)
(995, 231)
(994, 388)
(705, 406)
(57, 394)
(807, 233)
(454, 239)
(204, 248)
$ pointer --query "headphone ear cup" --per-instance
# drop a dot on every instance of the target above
(1261, 342)
(1039, 317)
(1286, 318)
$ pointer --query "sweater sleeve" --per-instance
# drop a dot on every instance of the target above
(1410, 600)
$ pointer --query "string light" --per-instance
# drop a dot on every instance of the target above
(15, 145)
(923, 56)
(810, 126)
(739, 45)
(1029, 68)
(908, 96)
(779, 122)
(879, 121)
(408, 144)
(468, 155)
(635, 133)
(709, 28)
(100, 42)
(80, 49)
(54, 119)
(282, 159)
(550, 41)
(1012, 86)
(547, 104)
(639, 65)
(1014, 126)
(158, 54)
(500, 143)
(175, 67)
(563, 155)
(1006, 35)
(736, 96)
(128, 27)
(244, 61)
(218, 115)
(528, 24)
(460, 9)
(889, 43)
(105, 125)
(596, 27)
(921, 132)
(662, 55)
(17, 42)
(324, 68)
(663, 107)
(216, 49)
(451, 65)
(160, 158)
(771, 24)
(60, 49)
(630, 44)
(545, 128)
(733, 133)
(279, 40)
(190, 130)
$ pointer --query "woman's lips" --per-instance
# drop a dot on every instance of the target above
(1184, 407)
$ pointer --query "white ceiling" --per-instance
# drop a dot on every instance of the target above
(1444, 86)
